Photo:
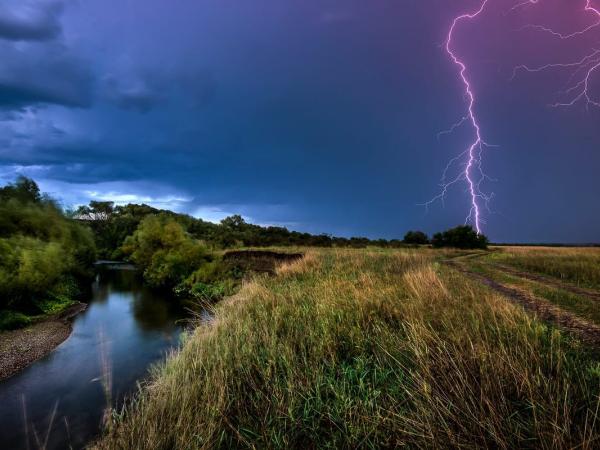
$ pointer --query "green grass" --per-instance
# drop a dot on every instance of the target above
(54, 305)
(367, 349)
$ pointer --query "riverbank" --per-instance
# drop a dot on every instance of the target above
(126, 327)
(366, 349)
(19, 348)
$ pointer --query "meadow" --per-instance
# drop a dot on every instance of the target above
(372, 348)
(566, 277)
(578, 265)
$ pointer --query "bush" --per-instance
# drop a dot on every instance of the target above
(10, 320)
(460, 237)
(208, 292)
(416, 238)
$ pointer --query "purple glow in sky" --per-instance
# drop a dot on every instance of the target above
(579, 89)
(581, 71)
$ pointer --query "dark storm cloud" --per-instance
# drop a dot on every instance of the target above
(142, 89)
(139, 99)
(23, 20)
(43, 70)
(319, 114)
(31, 75)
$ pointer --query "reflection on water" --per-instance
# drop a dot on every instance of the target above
(128, 324)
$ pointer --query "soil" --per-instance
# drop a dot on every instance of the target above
(19, 348)
(258, 260)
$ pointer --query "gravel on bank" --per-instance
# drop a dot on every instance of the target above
(19, 348)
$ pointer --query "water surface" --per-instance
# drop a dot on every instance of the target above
(126, 328)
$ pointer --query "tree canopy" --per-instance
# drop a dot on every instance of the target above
(416, 238)
(165, 251)
(460, 237)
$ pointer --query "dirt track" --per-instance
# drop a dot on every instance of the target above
(585, 330)
(594, 295)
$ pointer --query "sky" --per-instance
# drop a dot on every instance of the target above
(318, 115)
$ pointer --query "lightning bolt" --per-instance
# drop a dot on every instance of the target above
(469, 160)
(579, 89)
(581, 71)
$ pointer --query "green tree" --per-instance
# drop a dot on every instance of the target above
(235, 222)
(96, 211)
(43, 253)
(416, 238)
(24, 189)
(165, 252)
(460, 237)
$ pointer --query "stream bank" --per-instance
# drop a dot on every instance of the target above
(20, 348)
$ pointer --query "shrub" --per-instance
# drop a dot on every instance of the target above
(10, 320)
(208, 292)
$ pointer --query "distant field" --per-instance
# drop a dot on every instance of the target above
(371, 348)
(566, 278)
(578, 265)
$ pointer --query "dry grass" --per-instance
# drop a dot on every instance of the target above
(578, 265)
(367, 349)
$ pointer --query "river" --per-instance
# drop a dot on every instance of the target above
(60, 400)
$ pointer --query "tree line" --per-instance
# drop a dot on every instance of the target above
(113, 224)
(46, 253)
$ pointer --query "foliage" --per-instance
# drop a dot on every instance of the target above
(212, 281)
(460, 237)
(113, 224)
(42, 252)
(10, 320)
(24, 190)
(209, 292)
(165, 252)
(361, 349)
(416, 238)
(56, 303)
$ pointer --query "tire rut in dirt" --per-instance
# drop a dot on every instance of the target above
(584, 330)
(593, 295)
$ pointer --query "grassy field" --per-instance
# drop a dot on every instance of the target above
(577, 265)
(562, 276)
(368, 349)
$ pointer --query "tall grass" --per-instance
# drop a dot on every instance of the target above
(366, 349)
(580, 266)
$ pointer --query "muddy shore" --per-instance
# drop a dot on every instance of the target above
(19, 348)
